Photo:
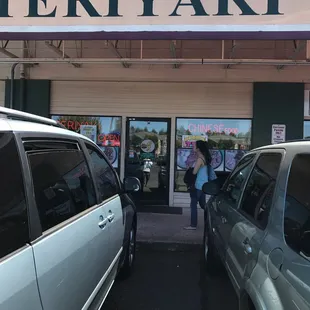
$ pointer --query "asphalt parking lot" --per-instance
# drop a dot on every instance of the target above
(170, 276)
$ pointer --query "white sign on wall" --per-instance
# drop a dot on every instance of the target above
(278, 133)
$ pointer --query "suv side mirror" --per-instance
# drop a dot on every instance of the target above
(132, 185)
(305, 243)
(212, 188)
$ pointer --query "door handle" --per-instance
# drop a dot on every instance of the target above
(224, 220)
(111, 217)
(247, 248)
(103, 222)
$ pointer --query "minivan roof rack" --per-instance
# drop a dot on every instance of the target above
(296, 140)
(23, 116)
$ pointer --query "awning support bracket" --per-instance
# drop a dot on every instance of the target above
(114, 49)
(60, 52)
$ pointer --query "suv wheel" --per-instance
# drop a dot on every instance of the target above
(130, 253)
(211, 259)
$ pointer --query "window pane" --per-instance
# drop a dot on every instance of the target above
(105, 178)
(257, 197)
(297, 208)
(105, 131)
(229, 140)
(62, 185)
(234, 185)
(307, 129)
(13, 209)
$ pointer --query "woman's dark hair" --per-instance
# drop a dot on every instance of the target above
(203, 147)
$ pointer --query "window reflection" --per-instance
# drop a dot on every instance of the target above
(105, 131)
(307, 129)
(229, 140)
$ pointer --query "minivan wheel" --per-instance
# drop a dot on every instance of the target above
(127, 268)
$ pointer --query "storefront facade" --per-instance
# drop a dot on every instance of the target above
(168, 112)
(140, 98)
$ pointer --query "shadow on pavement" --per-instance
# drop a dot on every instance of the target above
(169, 277)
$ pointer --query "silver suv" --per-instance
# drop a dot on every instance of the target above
(67, 225)
(258, 226)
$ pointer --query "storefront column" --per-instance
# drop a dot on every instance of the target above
(32, 96)
(123, 147)
(172, 162)
(277, 103)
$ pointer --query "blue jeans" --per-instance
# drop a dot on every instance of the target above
(196, 195)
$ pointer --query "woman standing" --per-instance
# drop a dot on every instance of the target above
(201, 170)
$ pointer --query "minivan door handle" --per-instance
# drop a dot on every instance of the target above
(111, 217)
(103, 222)
(247, 247)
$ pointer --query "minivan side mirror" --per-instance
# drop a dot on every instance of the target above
(211, 188)
(131, 185)
(305, 243)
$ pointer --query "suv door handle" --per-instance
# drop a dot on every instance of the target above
(224, 220)
(111, 217)
(103, 222)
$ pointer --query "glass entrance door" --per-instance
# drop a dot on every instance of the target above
(148, 158)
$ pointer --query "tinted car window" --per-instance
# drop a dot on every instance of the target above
(297, 208)
(235, 183)
(258, 193)
(62, 184)
(105, 177)
(13, 209)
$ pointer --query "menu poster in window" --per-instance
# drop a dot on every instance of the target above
(147, 146)
(89, 131)
(232, 157)
(217, 162)
(189, 140)
(185, 158)
(112, 154)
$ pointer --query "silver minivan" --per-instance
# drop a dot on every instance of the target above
(258, 226)
(67, 224)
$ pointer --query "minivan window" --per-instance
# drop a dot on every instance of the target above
(105, 177)
(235, 183)
(258, 193)
(297, 206)
(62, 184)
(14, 232)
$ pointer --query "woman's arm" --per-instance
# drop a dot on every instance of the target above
(198, 164)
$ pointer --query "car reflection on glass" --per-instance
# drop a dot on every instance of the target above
(163, 178)
(134, 167)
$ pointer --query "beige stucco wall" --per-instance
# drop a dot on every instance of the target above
(186, 73)
(152, 99)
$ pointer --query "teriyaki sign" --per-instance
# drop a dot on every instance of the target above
(161, 16)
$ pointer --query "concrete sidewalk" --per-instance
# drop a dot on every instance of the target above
(168, 228)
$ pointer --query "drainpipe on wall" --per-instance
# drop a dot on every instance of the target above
(12, 84)
(23, 88)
